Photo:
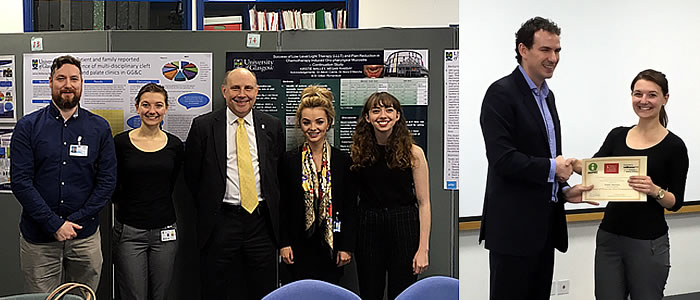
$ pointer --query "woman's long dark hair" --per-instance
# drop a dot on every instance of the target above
(364, 144)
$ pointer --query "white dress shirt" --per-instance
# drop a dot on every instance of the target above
(233, 191)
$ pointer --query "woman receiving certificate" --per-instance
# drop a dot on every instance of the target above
(632, 247)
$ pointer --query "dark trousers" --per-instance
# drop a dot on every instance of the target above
(143, 264)
(521, 277)
(387, 243)
(630, 267)
(314, 260)
(239, 260)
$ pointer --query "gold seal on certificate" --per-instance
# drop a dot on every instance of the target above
(609, 177)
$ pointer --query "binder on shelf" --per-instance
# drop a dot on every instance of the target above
(334, 18)
(261, 20)
(329, 20)
(308, 20)
(223, 23)
(272, 20)
(297, 19)
(287, 21)
(320, 18)
(252, 19)
(345, 19)
(279, 19)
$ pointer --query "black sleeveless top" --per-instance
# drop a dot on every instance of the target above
(382, 187)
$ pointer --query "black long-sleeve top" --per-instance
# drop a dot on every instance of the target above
(145, 182)
(667, 165)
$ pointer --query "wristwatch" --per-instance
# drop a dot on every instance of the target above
(660, 194)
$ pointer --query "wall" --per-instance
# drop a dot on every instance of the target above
(577, 264)
(372, 14)
(408, 13)
(13, 16)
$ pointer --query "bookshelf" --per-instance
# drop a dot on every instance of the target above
(72, 15)
(219, 8)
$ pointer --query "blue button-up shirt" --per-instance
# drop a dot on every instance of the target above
(541, 98)
(54, 186)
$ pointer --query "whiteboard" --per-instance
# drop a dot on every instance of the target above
(604, 45)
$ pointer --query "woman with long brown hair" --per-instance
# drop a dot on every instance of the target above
(394, 207)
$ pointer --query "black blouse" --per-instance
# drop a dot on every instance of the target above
(382, 187)
(667, 165)
(145, 182)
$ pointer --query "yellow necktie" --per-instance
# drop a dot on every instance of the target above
(246, 178)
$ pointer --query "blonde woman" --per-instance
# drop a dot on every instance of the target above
(318, 200)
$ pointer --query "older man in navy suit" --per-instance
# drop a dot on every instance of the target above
(231, 170)
(523, 217)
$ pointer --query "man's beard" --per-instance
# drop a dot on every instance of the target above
(63, 103)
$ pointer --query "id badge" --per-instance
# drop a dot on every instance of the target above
(336, 225)
(167, 235)
(78, 150)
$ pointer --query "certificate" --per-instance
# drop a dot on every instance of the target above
(609, 176)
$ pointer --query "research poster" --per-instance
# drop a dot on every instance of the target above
(5, 139)
(112, 80)
(351, 75)
(451, 126)
(7, 89)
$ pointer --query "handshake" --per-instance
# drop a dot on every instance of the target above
(565, 167)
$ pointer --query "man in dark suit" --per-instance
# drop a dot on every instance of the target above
(231, 170)
(523, 218)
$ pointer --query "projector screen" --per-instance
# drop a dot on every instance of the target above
(604, 45)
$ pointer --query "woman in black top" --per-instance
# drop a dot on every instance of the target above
(148, 163)
(392, 178)
(317, 235)
(632, 246)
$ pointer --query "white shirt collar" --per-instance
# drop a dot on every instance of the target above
(232, 118)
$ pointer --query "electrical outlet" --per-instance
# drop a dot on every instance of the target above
(563, 287)
(553, 290)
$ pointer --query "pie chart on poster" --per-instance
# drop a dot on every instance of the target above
(180, 70)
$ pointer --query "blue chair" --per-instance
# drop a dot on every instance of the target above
(436, 287)
(309, 289)
(39, 296)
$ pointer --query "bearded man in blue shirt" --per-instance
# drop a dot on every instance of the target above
(63, 172)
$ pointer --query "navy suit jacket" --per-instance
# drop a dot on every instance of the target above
(205, 166)
(519, 217)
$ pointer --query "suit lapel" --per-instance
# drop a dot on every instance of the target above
(261, 140)
(531, 103)
(220, 140)
(555, 120)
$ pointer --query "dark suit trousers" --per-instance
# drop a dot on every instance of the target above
(387, 242)
(239, 260)
(521, 277)
(314, 260)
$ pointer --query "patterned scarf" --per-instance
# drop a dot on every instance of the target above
(317, 193)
